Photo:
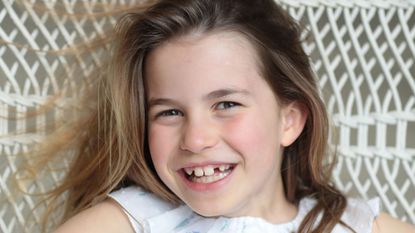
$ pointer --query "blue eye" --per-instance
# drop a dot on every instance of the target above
(226, 105)
(170, 112)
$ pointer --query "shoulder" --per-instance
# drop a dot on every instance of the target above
(134, 200)
(106, 217)
(366, 216)
(149, 213)
(126, 210)
(359, 215)
(385, 223)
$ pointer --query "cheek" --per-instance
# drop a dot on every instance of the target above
(159, 145)
(252, 134)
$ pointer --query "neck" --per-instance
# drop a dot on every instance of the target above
(272, 205)
(279, 210)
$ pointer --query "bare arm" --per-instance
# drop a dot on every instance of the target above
(106, 217)
(384, 223)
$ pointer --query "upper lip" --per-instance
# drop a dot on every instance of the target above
(206, 163)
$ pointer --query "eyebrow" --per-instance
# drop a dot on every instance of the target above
(217, 94)
(225, 92)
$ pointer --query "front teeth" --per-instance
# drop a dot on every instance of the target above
(209, 179)
(208, 171)
(198, 171)
(205, 171)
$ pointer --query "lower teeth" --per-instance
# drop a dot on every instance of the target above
(209, 179)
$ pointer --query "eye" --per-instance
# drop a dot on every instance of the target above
(168, 113)
(226, 105)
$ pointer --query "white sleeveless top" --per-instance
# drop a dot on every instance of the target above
(148, 213)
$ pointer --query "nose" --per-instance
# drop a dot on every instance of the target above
(198, 135)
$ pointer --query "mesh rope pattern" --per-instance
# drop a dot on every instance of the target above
(363, 53)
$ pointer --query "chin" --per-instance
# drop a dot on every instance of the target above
(209, 209)
(208, 212)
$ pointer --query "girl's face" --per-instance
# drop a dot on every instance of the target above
(215, 129)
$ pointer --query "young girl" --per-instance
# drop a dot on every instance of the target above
(210, 121)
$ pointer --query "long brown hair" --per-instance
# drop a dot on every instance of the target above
(110, 142)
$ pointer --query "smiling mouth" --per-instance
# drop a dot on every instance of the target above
(208, 174)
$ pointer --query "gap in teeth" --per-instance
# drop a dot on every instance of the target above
(207, 170)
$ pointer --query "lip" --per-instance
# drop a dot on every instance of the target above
(192, 165)
(209, 187)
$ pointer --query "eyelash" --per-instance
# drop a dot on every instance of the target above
(174, 112)
(232, 105)
(168, 113)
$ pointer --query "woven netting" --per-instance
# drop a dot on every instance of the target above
(363, 53)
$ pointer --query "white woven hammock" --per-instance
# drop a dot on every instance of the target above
(362, 51)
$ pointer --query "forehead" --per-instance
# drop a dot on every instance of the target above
(226, 58)
(227, 45)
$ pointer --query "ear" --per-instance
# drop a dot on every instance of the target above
(294, 116)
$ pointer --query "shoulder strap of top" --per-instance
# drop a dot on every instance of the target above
(360, 214)
(139, 205)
